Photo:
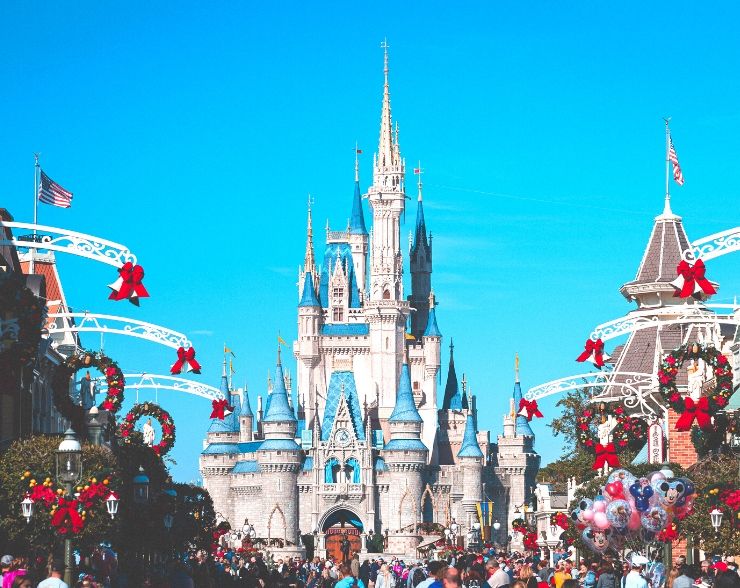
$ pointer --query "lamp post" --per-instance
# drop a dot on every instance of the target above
(111, 504)
(68, 459)
(141, 487)
(716, 516)
(496, 527)
(27, 508)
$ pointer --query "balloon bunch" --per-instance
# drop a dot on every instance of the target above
(632, 508)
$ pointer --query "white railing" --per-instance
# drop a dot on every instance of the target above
(106, 323)
(64, 241)
(159, 382)
(714, 245)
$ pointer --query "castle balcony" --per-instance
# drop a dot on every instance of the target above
(333, 492)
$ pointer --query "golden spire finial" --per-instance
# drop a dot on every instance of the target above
(516, 367)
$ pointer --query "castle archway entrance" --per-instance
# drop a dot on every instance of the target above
(338, 525)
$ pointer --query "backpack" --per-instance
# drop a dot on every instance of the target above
(418, 577)
(590, 579)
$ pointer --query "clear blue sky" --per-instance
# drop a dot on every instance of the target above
(192, 132)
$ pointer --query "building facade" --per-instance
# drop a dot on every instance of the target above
(364, 444)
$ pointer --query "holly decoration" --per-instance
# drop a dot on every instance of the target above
(153, 410)
(560, 519)
(67, 514)
(26, 312)
(519, 525)
(718, 397)
(629, 433)
(60, 385)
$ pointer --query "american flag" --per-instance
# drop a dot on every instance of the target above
(677, 174)
(52, 193)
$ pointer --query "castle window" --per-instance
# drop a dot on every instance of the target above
(338, 314)
(338, 293)
(416, 385)
(386, 294)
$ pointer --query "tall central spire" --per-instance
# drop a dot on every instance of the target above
(385, 145)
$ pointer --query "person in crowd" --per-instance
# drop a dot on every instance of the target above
(635, 578)
(436, 573)
(685, 578)
(607, 578)
(527, 576)
(726, 578)
(385, 578)
(346, 579)
(562, 574)
(18, 567)
(499, 578)
(56, 571)
(544, 571)
(451, 579)
(22, 582)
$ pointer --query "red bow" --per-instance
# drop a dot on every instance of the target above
(128, 285)
(529, 409)
(221, 409)
(691, 280)
(605, 454)
(698, 411)
(67, 518)
(185, 357)
(594, 352)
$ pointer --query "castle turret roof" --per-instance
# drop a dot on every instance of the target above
(452, 399)
(357, 221)
(470, 447)
(405, 409)
(308, 296)
(279, 407)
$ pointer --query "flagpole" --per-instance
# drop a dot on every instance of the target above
(32, 263)
(667, 166)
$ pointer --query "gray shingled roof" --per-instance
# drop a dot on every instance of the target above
(663, 252)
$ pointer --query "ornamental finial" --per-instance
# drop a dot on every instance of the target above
(516, 367)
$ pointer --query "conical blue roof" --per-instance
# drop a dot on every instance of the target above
(522, 424)
(470, 447)
(420, 235)
(246, 407)
(229, 424)
(432, 329)
(452, 399)
(357, 222)
(308, 296)
(405, 409)
(279, 409)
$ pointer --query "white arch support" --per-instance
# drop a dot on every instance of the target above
(635, 388)
(159, 382)
(714, 245)
(64, 241)
(645, 319)
(84, 322)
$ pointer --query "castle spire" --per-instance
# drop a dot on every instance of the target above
(516, 367)
(357, 221)
(309, 262)
(385, 145)
(452, 400)
(522, 424)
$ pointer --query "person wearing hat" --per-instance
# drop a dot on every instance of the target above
(635, 579)
(5, 565)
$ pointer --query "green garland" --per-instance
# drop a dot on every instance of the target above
(60, 386)
(20, 304)
(163, 417)
(718, 398)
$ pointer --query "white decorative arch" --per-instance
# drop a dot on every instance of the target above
(160, 382)
(85, 322)
(635, 388)
(414, 507)
(714, 245)
(65, 241)
(428, 493)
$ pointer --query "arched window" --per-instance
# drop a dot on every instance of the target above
(331, 470)
(354, 466)
(386, 294)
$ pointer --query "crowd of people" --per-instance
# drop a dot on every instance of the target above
(231, 569)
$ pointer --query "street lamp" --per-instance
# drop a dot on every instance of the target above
(716, 515)
(111, 504)
(27, 507)
(141, 487)
(68, 458)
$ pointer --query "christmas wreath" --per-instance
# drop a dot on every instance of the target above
(153, 410)
(60, 385)
(22, 316)
(629, 432)
(67, 514)
(519, 526)
(703, 409)
(560, 519)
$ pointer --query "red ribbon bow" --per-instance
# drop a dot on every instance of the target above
(605, 454)
(128, 285)
(594, 352)
(698, 411)
(529, 409)
(67, 518)
(219, 409)
(185, 357)
(691, 280)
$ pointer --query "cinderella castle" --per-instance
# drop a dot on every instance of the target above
(366, 446)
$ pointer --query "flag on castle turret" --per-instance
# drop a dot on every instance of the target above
(677, 173)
